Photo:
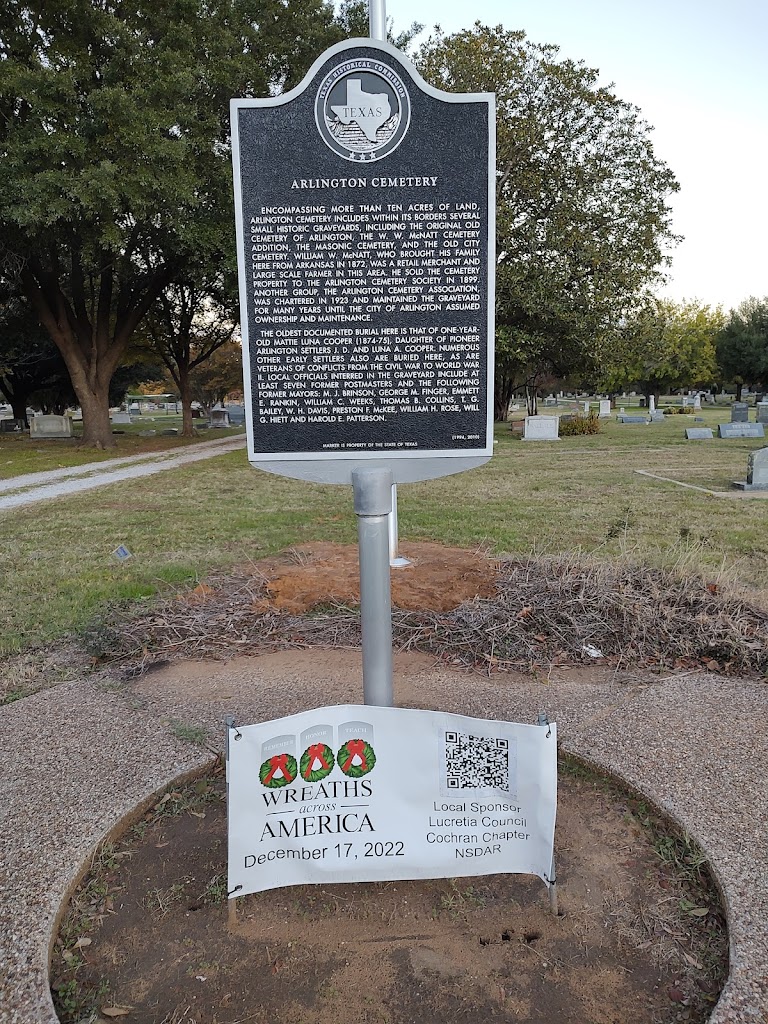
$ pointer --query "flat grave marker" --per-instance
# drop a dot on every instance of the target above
(698, 433)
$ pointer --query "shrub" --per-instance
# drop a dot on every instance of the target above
(580, 424)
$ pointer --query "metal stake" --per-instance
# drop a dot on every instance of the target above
(377, 19)
(373, 502)
(395, 560)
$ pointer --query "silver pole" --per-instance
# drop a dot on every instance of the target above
(372, 490)
(377, 19)
(395, 560)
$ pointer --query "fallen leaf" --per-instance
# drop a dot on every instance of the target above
(116, 1011)
(699, 912)
(693, 961)
(197, 814)
(675, 994)
(83, 941)
(713, 666)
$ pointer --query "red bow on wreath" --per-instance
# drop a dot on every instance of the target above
(355, 748)
(279, 761)
(316, 752)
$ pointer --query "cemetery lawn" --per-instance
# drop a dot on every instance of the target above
(20, 454)
(577, 495)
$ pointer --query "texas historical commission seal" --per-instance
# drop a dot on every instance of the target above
(362, 110)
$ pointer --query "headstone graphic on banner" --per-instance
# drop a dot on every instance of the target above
(362, 793)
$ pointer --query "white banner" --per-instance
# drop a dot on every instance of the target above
(357, 793)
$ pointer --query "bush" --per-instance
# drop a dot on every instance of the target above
(677, 410)
(579, 424)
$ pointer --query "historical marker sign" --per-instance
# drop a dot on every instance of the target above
(365, 230)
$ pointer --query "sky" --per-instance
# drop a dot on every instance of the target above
(698, 70)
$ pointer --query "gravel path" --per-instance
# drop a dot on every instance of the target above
(54, 483)
(78, 758)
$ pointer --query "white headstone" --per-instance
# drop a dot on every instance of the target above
(586, 408)
(652, 404)
(541, 428)
(697, 402)
(605, 407)
(120, 417)
(50, 426)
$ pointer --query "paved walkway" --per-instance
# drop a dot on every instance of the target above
(76, 759)
(55, 483)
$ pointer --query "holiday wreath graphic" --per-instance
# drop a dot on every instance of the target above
(356, 758)
(278, 771)
(316, 762)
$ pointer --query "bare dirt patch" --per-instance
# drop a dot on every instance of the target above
(149, 936)
(438, 578)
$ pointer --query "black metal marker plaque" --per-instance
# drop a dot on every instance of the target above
(365, 229)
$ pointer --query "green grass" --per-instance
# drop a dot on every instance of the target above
(575, 494)
(20, 454)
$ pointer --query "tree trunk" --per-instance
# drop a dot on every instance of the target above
(18, 404)
(185, 392)
(739, 388)
(531, 396)
(97, 428)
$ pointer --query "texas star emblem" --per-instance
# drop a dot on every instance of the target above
(362, 110)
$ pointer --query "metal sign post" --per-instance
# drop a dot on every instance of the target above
(377, 19)
(372, 490)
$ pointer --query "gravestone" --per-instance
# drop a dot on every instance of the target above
(219, 418)
(741, 430)
(236, 414)
(631, 419)
(739, 412)
(542, 428)
(757, 472)
(118, 418)
(762, 412)
(50, 426)
(586, 408)
(697, 403)
(364, 210)
(698, 433)
(657, 416)
(605, 408)
(551, 400)
(12, 426)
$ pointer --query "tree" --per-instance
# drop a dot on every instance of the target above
(664, 346)
(29, 361)
(742, 345)
(115, 162)
(188, 323)
(219, 375)
(583, 219)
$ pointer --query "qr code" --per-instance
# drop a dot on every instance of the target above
(476, 762)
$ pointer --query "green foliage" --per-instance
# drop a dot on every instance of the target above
(583, 218)
(742, 345)
(665, 345)
(115, 142)
(580, 425)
